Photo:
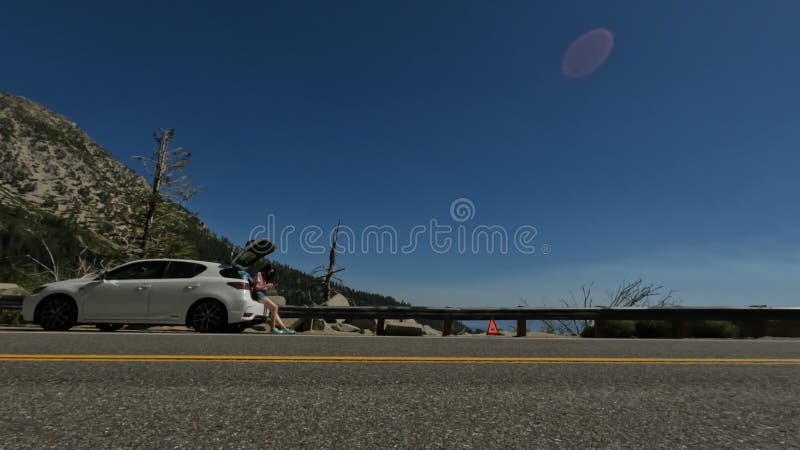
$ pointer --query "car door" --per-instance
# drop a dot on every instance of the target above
(174, 293)
(123, 294)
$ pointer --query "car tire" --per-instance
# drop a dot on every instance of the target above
(109, 326)
(208, 316)
(57, 314)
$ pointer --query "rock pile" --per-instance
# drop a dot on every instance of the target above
(407, 327)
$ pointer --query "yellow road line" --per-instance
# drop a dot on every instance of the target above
(395, 359)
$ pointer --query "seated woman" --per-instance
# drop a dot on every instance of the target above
(261, 284)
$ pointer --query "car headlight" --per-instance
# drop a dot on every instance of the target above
(39, 289)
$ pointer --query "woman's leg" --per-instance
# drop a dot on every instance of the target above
(273, 313)
(262, 298)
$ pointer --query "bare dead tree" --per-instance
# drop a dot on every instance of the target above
(165, 165)
(327, 273)
(573, 327)
(87, 267)
(163, 138)
(82, 267)
(628, 295)
(637, 293)
(52, 269)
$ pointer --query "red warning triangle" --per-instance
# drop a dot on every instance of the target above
(492, 328)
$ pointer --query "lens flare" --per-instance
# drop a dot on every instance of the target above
(587, 53)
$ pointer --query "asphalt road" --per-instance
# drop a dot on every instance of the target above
(633, 394)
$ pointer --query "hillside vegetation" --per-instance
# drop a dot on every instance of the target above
(61, 190)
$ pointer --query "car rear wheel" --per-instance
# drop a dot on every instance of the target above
(109, 326)
(208, 316)
(57, 314)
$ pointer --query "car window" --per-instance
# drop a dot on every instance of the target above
(235, 274)
(179, 269)
(145, 270)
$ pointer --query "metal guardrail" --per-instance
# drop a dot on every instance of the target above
(679, 316)
(600, 313)
(11, 301)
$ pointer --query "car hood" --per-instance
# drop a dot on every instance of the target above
(67, 284)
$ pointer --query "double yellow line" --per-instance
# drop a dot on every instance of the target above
(394, 359)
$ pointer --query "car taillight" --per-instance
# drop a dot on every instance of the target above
(239, 285)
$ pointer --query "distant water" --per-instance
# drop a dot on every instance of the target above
(508, 325)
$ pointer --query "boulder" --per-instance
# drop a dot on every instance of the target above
(302, 324)
(320, 325)
(345, 327)
(427, 330)
(307, 324)
(408, 327)
(364, 324)
(296, 324)
(337, 300)
(11, 289)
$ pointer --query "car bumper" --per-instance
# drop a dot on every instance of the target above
(29, 307)
(256, 321)
(253, 313)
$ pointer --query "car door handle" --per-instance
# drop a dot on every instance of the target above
(143, 287)
(192, 286)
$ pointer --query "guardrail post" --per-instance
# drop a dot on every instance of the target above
(447, 327)
(522, 327)
(599, 328)
(678, 329)
(379, 327)
(759, 327)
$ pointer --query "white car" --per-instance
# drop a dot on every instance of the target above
(203, 295)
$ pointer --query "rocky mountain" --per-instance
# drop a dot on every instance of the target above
(50, 167)
(48, 162)
(61, 191)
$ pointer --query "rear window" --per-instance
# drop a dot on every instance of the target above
(177, 269)
(235, 274)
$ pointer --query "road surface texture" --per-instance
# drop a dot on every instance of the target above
(186, 390)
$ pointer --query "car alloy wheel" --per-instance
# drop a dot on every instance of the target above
(208, 316)
(57, 314)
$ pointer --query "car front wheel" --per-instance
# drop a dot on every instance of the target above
(208, 316)
(57, 314)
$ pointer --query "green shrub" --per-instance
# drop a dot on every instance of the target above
(714, 329)
(620, 329)
(653, 329)
(548, 328)
(11, 317)
(614, 329)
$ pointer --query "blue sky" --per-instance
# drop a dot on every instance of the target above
(675, 161)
